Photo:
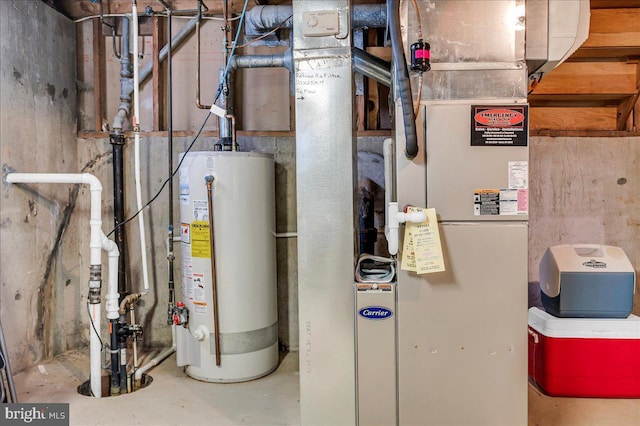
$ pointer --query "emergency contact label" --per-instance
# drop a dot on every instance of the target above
(499, 125)
(500, 202)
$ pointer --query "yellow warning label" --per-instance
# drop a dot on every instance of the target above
(200, 243)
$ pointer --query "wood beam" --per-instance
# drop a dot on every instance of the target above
(575, 100)
(625, 112)
(636, 116)
(605, 53)
(157, 76)
(583, 133)
(603, 118)
(372, 99)
(614, 28)
(381, 52)
(613, 78)
(610, 4)
(84, 134)
(98, 74)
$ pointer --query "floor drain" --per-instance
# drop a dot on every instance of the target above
(85, 388)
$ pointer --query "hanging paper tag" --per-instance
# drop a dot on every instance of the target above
(422, 250)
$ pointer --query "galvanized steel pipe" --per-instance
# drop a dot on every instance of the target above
(263, 61)
(371, 66)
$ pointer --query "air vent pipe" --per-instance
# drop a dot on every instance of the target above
(261, 19)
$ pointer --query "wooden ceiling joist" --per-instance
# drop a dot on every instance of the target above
(617, 79)
(614, 28)
(597, 90)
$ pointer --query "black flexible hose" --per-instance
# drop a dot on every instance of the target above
(402, 75)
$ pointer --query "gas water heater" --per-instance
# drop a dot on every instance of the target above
(229, 332)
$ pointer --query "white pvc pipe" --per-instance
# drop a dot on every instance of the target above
(136, 128)
(391, 235)
(387, 155)
(95, 350)
(111, 305)
(161, 357)
(96, 242)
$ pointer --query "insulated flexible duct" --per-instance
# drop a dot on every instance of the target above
(402, 76)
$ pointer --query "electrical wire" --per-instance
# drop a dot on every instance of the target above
(111, 15)
(535, 78)
(93, 325)
(217, 95)
(266, 34)
(164, 184)
(163, 14)
(208, 18)
(415, 5)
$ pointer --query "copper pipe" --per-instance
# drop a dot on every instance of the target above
(214, 285)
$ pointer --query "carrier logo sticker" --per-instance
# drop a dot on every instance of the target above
(375, 312)
(594, 264)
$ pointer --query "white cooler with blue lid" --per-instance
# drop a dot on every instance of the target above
(587, 281)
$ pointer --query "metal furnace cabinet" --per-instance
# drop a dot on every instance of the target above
(462, 354)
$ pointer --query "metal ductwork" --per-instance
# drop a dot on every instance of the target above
(261, 19)
(262, 61)
(372, 67)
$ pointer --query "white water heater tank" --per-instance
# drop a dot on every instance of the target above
(245, 261)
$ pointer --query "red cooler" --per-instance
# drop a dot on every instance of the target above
(585, 357)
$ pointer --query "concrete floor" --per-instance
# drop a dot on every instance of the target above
(174, 399)
(171, 399)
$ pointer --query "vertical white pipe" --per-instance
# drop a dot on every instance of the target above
(136, 128)
(387, 154)
(95, 243)
(136, 65)
(392, 236)
(111, 305)
(95, 350)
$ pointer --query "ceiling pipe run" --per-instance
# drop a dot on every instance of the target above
(127, 86)
(262, 61)
(261, 19)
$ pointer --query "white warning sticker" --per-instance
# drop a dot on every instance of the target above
(199, 293)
